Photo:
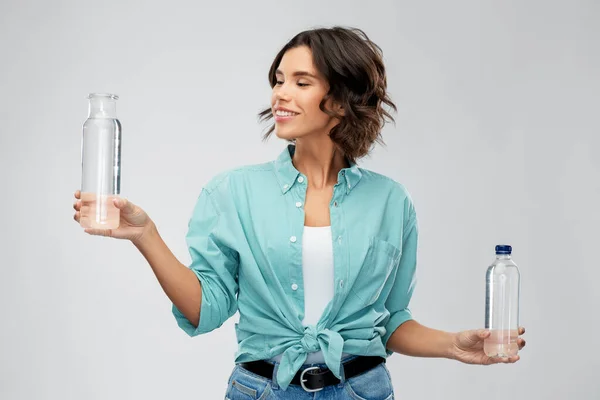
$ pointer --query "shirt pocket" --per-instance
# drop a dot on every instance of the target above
(381, 260)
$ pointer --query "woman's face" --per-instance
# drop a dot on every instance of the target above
(300, 89)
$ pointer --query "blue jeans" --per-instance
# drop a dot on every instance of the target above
(374, 384)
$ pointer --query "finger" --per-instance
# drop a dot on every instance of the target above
(521, 330)
(124, 205)
(521, 343)
(508, 360)
(77, 194)
(76, 216)
(483, 333)
(495, 360)
(77, 205)
(490, 361)
(99, 232)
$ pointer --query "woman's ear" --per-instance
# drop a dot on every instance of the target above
(335, 107)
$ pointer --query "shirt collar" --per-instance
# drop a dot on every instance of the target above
(287, 174)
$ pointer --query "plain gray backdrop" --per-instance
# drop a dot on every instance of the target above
(496, 138)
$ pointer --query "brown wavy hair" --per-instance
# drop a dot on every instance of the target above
(353, 66)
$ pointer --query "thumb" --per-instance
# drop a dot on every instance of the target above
(482, 333)
(471, 337)
(123, 204)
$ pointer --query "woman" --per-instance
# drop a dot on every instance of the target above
(317, 254)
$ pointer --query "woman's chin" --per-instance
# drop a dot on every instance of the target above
(284, 135)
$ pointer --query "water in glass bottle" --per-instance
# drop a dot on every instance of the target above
(502, 305)
(100, 163)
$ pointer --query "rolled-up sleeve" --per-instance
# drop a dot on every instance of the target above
(215, 264)
(404, 283)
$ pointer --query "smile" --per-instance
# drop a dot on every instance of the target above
(282, 116)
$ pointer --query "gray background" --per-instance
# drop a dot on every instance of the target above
(496, 139)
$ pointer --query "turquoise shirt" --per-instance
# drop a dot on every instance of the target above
(245, 241)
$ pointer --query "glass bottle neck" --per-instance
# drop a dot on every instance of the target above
(503, 256)
(102, 108)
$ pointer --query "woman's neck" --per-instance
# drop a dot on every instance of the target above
(319, 160)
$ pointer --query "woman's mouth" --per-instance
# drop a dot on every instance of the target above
(283, 116)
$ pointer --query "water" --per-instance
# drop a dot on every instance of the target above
(98, 211)
(502, 305)
(100, 164)
(501, 343)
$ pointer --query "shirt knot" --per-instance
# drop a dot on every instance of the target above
(309, 341)
(329, 342)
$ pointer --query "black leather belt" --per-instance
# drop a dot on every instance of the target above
(313, 379)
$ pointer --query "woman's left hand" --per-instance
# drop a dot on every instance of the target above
(467, 347)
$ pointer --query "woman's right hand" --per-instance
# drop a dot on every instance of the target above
(133, 225)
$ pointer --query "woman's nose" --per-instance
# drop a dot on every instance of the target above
(282, 93)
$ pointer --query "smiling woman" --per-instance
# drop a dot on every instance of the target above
(317, 254)
(334, 80)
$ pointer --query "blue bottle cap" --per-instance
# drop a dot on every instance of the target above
(503, 249)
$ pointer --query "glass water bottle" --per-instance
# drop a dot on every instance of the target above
(100, 163)
(502, 305)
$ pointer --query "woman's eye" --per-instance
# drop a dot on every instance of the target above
(299, 84)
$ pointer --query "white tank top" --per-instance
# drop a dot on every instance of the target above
(318, 274)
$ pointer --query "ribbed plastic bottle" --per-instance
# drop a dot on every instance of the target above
(100, 163)
(503, 285)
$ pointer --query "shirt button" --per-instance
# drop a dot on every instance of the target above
(294, 287)
(298, 204)
(335, 204)
(285, 186)
(293, 239)
(341, 283)
(300, 179)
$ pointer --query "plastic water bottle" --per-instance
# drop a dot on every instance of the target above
(502, 305)
(100, 163)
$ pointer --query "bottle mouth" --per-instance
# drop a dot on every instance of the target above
(103, 95)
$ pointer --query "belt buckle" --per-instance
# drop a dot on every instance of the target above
(302, 380)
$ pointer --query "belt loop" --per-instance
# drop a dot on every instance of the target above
(342, 376)
(274, 384)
